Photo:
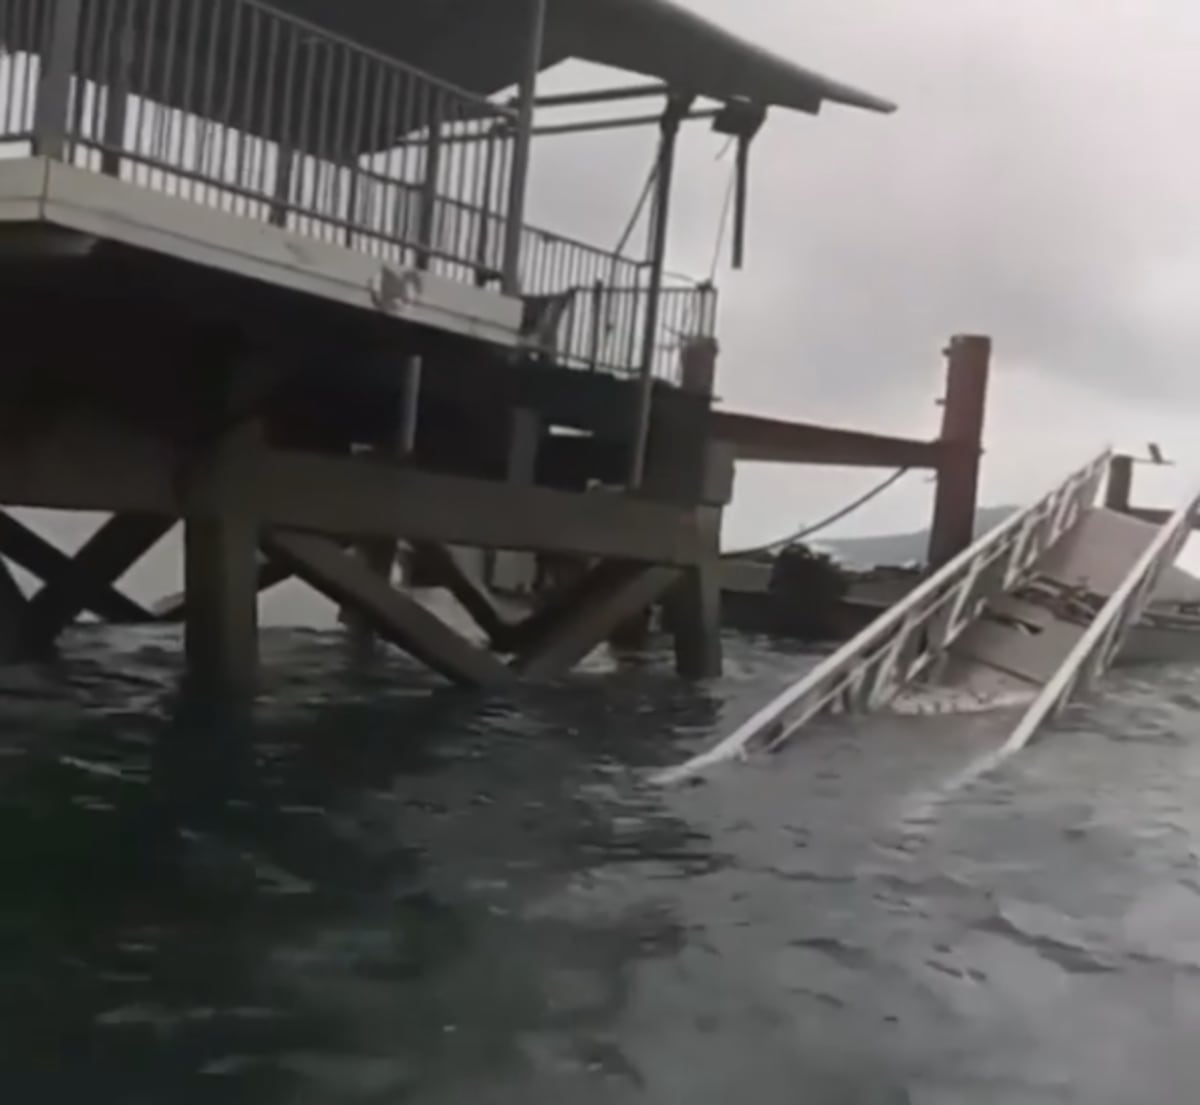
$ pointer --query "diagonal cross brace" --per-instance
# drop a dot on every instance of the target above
(103, 559)
(38, 556)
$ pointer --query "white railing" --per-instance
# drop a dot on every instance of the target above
(1101, 641)
(909, 638)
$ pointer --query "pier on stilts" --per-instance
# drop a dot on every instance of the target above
(266, 272)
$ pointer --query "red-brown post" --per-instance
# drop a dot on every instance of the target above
(953, 529)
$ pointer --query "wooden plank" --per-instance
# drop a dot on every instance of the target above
(82, 467)
(106, 556)
(772, 440)
(618, 592)
(392, 614)
(471, 594)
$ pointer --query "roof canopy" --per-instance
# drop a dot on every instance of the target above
(478, 45)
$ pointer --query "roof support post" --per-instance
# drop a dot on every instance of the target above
(519, 178)
(52, 111)
(677, 108)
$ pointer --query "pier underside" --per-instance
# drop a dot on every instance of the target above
(293, 431)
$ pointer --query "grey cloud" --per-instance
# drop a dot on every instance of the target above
(1036, 184)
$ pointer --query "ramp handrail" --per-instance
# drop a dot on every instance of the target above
(1094, 651)
(901, 644)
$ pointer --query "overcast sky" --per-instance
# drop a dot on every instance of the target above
(1040, 183)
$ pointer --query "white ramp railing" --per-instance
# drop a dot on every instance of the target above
(906, 640)
(1094, 651)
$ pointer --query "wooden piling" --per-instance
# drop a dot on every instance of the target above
(957, 495)
(1119, 488)
(220, 544)
(695, 620)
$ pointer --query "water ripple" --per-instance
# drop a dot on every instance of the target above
(379, 891)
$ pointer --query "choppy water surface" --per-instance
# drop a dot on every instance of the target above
(377, 896)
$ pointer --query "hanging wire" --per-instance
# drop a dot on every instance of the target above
(824, 523)
(723, 225)
(638, 208)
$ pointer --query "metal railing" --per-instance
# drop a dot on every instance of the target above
(599, 327)
(1094, 651)
(586, 307)
(237, 106)
(909, 638)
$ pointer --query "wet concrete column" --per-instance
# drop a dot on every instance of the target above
(220, 535)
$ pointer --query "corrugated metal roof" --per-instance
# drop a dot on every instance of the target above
(477, 44)
(661, 39)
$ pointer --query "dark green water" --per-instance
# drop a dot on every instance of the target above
(373, 895)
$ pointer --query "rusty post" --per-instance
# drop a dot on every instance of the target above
(956, 499)
(1119, 487)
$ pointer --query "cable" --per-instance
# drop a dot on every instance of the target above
(824, 523)
(723, 225)
(635, 218)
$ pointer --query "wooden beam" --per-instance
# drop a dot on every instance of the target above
(617, 592)
(395, 616)
(173, 608)
(440, 561)
(106, 556)
(76, 467)
(38, 556)
(12, 615)
(772, 440)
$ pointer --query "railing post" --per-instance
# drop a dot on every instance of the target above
(427, 217)
(672, 117)
(484, 268)
(285, 167)
(116, 103)
(1119, 486)
(535, 32)
(51, 115)
(956, 499)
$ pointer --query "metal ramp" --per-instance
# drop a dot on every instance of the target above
(1099, 643)
(941, 622)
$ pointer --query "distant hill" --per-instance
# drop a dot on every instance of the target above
(900, 548)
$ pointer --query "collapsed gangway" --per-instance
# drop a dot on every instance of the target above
(986, 615)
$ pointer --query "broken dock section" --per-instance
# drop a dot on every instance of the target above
(985, 616)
